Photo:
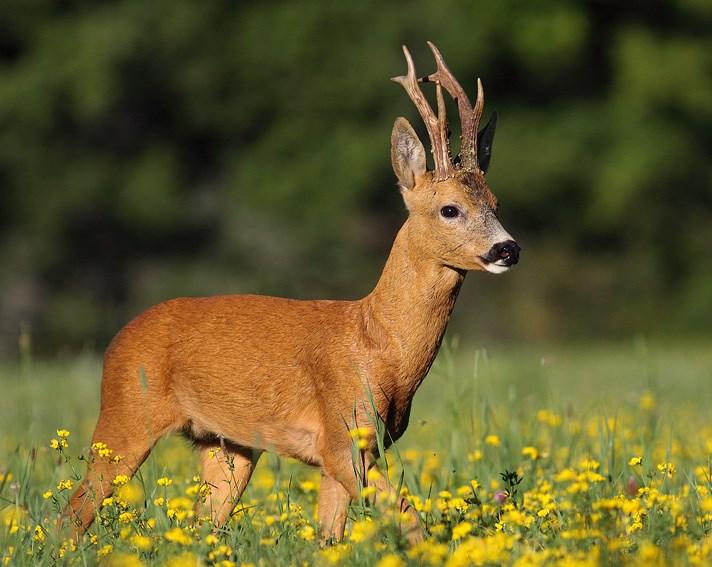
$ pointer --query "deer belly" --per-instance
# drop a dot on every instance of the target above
(298, 441)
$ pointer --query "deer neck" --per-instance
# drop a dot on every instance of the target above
(410, 307)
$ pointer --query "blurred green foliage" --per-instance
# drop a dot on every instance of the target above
(155, 149)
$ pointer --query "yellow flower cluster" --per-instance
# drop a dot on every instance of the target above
(548, 490)
(101, 450)
(62, 442)
(361, 437)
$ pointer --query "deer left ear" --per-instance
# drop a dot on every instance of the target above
(485, 139)
(407, 154)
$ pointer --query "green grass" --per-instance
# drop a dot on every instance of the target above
(477, 415)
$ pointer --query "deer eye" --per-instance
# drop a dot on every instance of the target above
(449, 212)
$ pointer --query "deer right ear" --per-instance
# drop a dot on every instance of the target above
(485, 138)
(407, 154)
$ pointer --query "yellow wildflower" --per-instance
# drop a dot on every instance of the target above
(141, 542)
(105, 550)
(589, 464)
(39, 534)
(428, 551)
(493, 440)
(530, 452)
(177, 535)
(120, 480)
(461, 530)
(565, 475)
(491, 550)
(335, 554)
(373, 475)
(549, 418)
(307, 533)
(367, 491)
(68, 545)
(359, 432)
(130, 494)
(122, 560)
(363, 530)
(474, 456)
(187, 559)
(410, 455)
(647, 402)
(180, 503)
(308, 486)
(126, 517)
(517, 518)
(390, 560)
(648, 553)
(667, 469)
(101, 449)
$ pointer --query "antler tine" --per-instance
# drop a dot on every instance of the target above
(479, 105)
(436, 125)
(444, 76)
(469, 117)
(476, 115)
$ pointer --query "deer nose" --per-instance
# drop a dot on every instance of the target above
(506, 253)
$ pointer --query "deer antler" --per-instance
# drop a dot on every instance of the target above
(469, 117)
(436, 125)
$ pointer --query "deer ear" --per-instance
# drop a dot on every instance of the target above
(407, 154)
(485, 139)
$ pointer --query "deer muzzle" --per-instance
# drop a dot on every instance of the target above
(501, 256)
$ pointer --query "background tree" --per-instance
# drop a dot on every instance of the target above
(155, 149)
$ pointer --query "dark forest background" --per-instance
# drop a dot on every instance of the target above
(165, 148)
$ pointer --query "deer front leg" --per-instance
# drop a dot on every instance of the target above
(409, 520)
(334, 502)
(342, 471)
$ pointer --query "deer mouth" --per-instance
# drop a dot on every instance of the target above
(498, 267)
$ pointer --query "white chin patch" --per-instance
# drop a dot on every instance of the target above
(496, 268)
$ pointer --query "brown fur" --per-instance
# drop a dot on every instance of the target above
(248, 373)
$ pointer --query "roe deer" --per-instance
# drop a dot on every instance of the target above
(249, 373)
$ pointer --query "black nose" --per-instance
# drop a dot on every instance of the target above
(507, 252)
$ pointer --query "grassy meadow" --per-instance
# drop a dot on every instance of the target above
(549, 455)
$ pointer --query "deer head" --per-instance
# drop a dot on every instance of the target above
(452, 208)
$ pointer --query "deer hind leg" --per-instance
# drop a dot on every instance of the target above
(227, 469)
(130, 438)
